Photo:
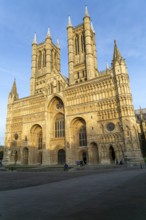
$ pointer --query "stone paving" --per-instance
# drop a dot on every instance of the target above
(104, 194)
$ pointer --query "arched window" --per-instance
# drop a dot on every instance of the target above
(39, 60)
(59, 87)
(77, 49)
(51, 88)
(40, 140)
(83, 136)
(55, 58)
(82, 43)
(44, 58)
(59, 126)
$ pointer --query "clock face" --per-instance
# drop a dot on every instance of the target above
(110, 126)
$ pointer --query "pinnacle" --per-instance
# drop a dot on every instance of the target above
(86, 11)
(69, 22)
(14, 89)
(117, 54)
(58, 44)
(92, 28)
(35, 39)
(48, 33)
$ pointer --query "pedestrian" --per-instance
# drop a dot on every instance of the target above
(141, 165)
(65, 166)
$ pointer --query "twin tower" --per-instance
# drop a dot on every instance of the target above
(82, 59)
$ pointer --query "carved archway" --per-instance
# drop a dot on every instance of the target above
(93, 153)
(61, 156)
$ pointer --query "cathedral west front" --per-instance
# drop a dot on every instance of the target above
(88, 116)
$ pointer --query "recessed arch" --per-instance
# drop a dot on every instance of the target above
(112, 155)
(78, 131)
(93, 153)
(37, 136)
(53, 103)
(61, 156)
(83, 156)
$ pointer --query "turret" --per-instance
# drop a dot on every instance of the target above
(48, 51)
(70, 51)
(13, 95)
(118, 62)
(33, 65)
(88, 45)
(58, 56)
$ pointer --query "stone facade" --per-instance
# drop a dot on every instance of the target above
(88, 117)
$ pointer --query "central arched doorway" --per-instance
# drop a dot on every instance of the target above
(112, 154)
(61, 156)
(93, 153)
(40, 157)
(25, 155)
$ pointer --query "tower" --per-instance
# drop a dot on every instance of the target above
(45, 63)
(82, 60)
(13, 95)
(125, 108)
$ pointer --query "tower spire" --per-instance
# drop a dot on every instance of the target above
(34, 39)
(86, 11)
(13, 93)
(69, 22)
(92, 28)
(49, 33)
(58, 44)
(117, 55)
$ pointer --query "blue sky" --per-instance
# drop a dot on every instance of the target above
(123, 20)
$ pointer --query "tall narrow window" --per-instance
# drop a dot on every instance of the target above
(77, 48)
(59, 87)
(40, 140)
(39, 60)
(82, 136)
(51, 88)
(82, 43)
(59, 126)
(55, 59)
(44, 58)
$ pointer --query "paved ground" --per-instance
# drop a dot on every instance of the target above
(101, 194)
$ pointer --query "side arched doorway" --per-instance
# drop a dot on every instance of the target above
(40, 158)
(84, 157)
(61, 156)
(25, 155)
(112, 154)
(1, 155)
(93, 153)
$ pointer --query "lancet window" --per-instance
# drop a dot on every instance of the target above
(39, 60)
(44, 58)
(82, 136)
(59, 126)
(77, 48)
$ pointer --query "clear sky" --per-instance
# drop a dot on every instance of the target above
(123, 20)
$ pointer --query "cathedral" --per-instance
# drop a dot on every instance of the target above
(87, 117)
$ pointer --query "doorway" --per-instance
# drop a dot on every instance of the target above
(61, 156)
(112, 154)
